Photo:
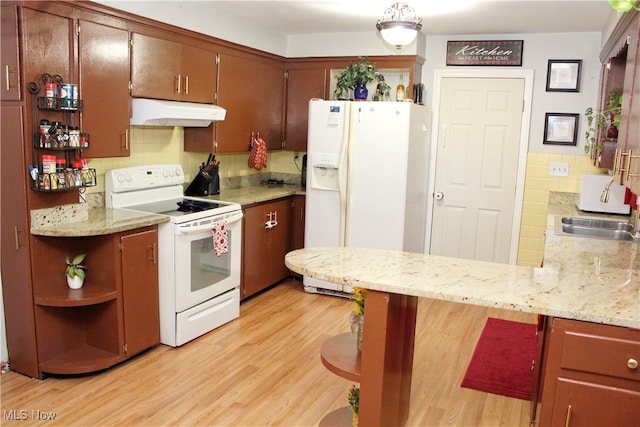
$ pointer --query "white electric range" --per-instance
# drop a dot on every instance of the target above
(198, 249)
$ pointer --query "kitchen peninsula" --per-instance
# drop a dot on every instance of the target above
(587, 280)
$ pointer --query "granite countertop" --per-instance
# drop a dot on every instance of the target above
(583, 278)
(78, 220)
(248, 195)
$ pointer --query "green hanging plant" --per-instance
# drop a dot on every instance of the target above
(623, 5)
(597, 120)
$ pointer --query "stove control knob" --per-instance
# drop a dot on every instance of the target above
(178, 172)
(127, 177)
(172, 173)
(120, 177)
(165, 173)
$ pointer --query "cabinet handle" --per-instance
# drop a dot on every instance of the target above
(627, 164)
(273, 220)
(632, 364)
(179, 83)
(126, 140)
(154, 254)
(186, 85)
(6, 69)
(567, 420)
(616, 161)
(16, 232)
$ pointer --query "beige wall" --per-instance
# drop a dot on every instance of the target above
(538, 184)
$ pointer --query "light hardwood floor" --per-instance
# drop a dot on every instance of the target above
(264, 369)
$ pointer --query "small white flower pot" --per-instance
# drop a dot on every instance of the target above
(75, 282)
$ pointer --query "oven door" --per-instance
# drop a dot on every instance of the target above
(200, 274)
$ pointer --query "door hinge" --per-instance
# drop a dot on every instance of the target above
(120, 246)
(77, 28)
(124, 349)
(217, 58)
(283, 143)
(130, 42)
(523, 105)
(286, 75)
(130, 87)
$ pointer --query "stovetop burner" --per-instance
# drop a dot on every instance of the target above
(195, 205)
(178, 207)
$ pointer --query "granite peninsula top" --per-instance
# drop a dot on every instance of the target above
(586, 286)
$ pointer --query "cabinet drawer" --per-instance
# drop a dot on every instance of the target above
(601, 355)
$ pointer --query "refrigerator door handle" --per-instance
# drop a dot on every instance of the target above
(342, 195)
(353, 118)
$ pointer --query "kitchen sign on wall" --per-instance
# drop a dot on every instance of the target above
(485, 52)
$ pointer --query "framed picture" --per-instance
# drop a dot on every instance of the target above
(561, 128)
(563, 75)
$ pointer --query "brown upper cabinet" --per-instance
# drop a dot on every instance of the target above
(303, 84)
(251, 89)
(10, 54)
(621, 59)
(104, 87)
(164, 69)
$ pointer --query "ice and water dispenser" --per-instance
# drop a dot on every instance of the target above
(324, 171)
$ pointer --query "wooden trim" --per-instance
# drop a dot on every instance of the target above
(617, 39)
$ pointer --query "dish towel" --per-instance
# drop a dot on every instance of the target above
(258, 155)
(220, 238)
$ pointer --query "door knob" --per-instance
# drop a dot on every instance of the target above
(439, 195)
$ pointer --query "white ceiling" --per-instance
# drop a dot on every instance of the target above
(464, 17)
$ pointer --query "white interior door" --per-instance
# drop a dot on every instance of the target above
(479, 134)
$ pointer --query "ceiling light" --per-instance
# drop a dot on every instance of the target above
(399, 25)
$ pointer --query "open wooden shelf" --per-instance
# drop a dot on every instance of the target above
(65, 297)
(79, 361)
(340, 355)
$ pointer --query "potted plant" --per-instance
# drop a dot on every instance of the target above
(358, 74)
(599, 120)
(354, 402)
(356, 317)
(75, 271)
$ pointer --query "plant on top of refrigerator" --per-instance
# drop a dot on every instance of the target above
(360, 71)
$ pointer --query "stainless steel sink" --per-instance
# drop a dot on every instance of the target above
(598, 228)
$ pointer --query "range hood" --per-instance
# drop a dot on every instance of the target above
(155, 112)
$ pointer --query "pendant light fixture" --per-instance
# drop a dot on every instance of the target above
(399, 25)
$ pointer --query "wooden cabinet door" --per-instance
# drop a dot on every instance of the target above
(155, 66)
(104, 88)
(298, 206)
(264, 248)
(47, 45)
(581, 403)
(199, 73)
(9, 54)
(16, 262)
(251, 89)
(302, 85)
(139, 252)
(297, 222)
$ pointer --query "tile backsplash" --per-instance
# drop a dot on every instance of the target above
(160, 145)
(538, 184)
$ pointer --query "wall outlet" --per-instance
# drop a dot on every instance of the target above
(558, 169)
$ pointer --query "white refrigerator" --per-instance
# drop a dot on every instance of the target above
(366, 178)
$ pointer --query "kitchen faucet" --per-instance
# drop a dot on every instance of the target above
(604, 198)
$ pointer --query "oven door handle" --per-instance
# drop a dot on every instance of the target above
(230, 218)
